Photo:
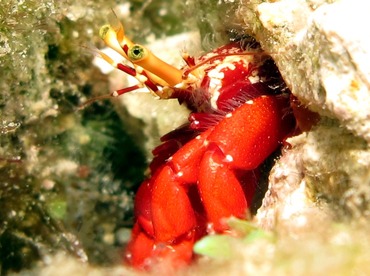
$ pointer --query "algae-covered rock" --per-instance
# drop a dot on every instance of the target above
(62, 169)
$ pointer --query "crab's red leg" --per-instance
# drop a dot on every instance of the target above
(243, 140)
(220, 190)
(170, 193)
(139, 248)
(143, 207)
(151, 242)
(169, 215)
(144, 251)
(160, 202)
(253, 131)
(169, 203)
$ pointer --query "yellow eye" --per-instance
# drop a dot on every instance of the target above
(137, 53)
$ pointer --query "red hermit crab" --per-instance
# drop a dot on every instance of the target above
(206, 170)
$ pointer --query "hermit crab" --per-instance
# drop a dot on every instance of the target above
(207, 170)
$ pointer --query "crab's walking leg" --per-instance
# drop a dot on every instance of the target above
(169, 215)
(169, 203)
(144, 247)
(144, 251)
(222, 192)
(241, 141)
(174, 212)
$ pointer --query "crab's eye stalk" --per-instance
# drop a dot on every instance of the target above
(137, 53)
(141, 56)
